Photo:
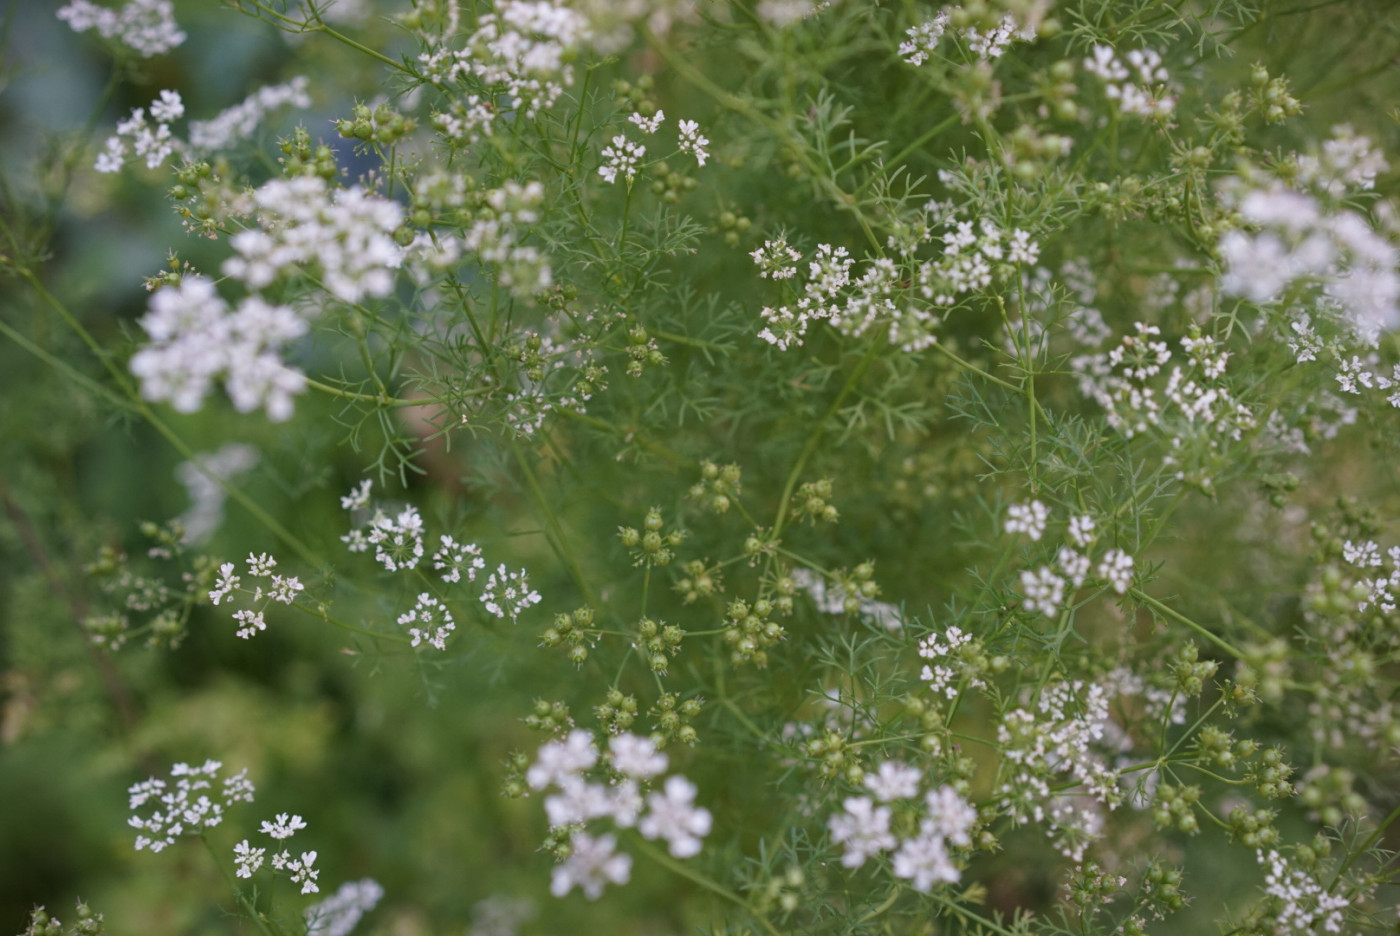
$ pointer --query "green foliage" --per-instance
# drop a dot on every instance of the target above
(957, 449)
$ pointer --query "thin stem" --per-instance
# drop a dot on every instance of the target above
(817, 432)
(666, 861)
(1180, 618)
(179, 444)
(268, 927)
(969, 366)
(554, 531)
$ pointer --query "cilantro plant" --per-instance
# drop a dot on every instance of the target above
(657, 466)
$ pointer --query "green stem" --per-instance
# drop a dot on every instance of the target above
(139, 405)
(970, 917)
(1366, 846)
(818, 431)
(321, 614)
(267, 927)
(554, 531)
(973, 368)
(1180, 618)
(671, 864)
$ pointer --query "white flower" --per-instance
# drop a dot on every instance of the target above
(949, 816)
(148, 26)
(592, 864)
(675, 817)
(338, 914)
(623, 157)
(506, 593)
(636, 756)
(184, 806)
(250, 623)
(285, 589)
(923, 39)
(648, 125)
(559, 761)
(776, 260)
(228, 581)
(238, 788)
(924, 861)
(432, 619)
(168, 108)
(358, 498)
(261, 566)
(204, 478)
(241, 121)
(1116, 568)
(577, 802)
(692, 142)
(300, 869)
(863, 828)
(1044, 591)
(1074, 565)
(894, 780)
(347, 234)
(283, 826)
(1028, 518)
(397, 541)
(248, 859)
(1082, 532)
(453, 559)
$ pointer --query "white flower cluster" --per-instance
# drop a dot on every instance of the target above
(280, 588)
(1327, 261)
(969, 251)
(204, 478)
(345, 234)
(622, 156)
(692, 142)
(986, 45)
(428, 621)
(397, 540)
(506, 594)
(151, 141)
(1346, 162)
(833, 598)
(154, 142)
(339, 913)
(1382, 591)
(941, 676)
(776, 260)
(184, 808)
(1059, 735)
(923, 39)
(495, 236)
(670, 814)
(148, 26)
(648, 125)
(783, 13)
(863, 828)
(1044, 588)
(453, 559)
(196, 339)
(398, 546)
(1139, 87)
(1193, 405)
(1301, 902)
(301, 870)
(1028, 518)
(240, 121)
(519, 53)
(850, 305)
